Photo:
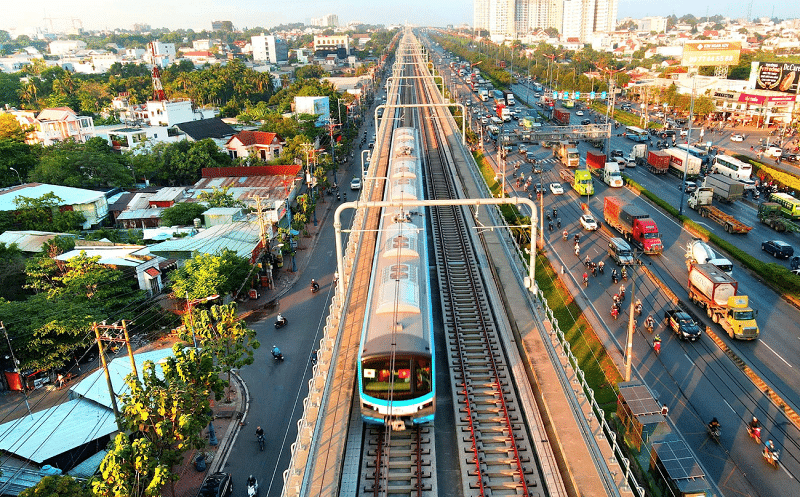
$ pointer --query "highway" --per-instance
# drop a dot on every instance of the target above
(696, 380)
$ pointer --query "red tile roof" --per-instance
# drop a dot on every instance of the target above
(256, 137)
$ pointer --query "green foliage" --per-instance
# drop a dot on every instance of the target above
(58, 486)
(208, 274)
(20, 156)
(132, 469)
(219, 197)
(80, 165)
(182, 214)
(181, 162)
(43, 214)
(12, 272)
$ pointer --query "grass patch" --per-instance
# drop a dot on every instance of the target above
(624, 117)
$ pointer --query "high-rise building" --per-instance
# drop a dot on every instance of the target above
(221, 26)
(330, 20)
(268, 48)
(656, 24)
(506, 19)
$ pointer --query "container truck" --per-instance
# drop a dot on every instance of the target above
(678, 163)
(595, 160)
(483, 93)
(611, 175)
(657, 162)
(503, 112)
(769, 213)
(725, 189)
(568, 154)
(699, 252)
(580, 179)
(561, 117)
(509, 98)
(635, 224)
(713, 289)
(637, 155)
(701, 199)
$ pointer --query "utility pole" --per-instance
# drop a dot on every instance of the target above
(111, 393)
(16, 368)
(263, 235)
(631, 320)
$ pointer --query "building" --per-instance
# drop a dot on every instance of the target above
(213, 128)
(265, 146)
(330, 20)
(65, 47)
(161, 54)
(176, 111)
(221, 26)
(30, 241)
(332, 44)
(93, 205)
(54, 125)
(652, 24)
(135, 260)
(319, 106)
(269, 48)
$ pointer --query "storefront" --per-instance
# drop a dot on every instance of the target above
(762, 108)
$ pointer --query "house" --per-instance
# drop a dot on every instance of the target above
(30, 241)
(139, 218)
(135, 258)
(213, 128)
(55, 124)
(222, 215)
(167, 197)
(265, 146)
(242, 237)
(273, 184)
(201, 57)
(93, 205)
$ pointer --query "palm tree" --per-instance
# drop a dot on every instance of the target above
(29, 94)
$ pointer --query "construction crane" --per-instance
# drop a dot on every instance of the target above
(158, 88)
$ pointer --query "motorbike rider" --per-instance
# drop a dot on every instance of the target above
(753, 425)
(622, 292)
(624, 273)
(565, 234)
(276, 352)
(259, 432)
(714, 426)
(251, 481)
(585, 278)
(638, 306)
(657, 343)
(280, 319)
(577, 250)
(601, 265)
(614, 276)
(314, 285)
(650, 323)
(588, 261)
(769, 449)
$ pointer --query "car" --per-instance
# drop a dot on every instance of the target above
(617, 153)
(690, 187)
(588, 222)
(216, 485)
(355, 183)
(484, 120)
(737, 137)
(773, 151)
(586, 122)
(682, 324)
(579, 113)
(539, 188)
(684, 132)
(556, 189)
(790, 157)
(522, 149)
(778, 249)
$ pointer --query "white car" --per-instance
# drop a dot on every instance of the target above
(556, 189)
(737, 137)
(773, 152)
(588, 222)
(579, 113)
(355, 183)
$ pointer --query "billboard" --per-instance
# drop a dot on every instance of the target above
(711, 53)
(313, 105)
(776, 76)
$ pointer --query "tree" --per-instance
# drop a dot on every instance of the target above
(11, 129)
(184, 160)
(168, 412)
(219, 197)
(182, 214)
(58, 486)
(222, 333)
(12, 271)
(44, 214)
(82, 165)
(20, 156)
(208, 274)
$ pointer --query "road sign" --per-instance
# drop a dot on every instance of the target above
(602, 95)
(577, 95)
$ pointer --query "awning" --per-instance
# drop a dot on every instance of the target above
(152, 272)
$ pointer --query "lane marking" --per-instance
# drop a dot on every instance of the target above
(729, 406)
(779, 357)
(687, 358)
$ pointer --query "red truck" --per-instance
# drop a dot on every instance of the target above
(561, 117)
(657, 162)
(595, 160)
(635, 224)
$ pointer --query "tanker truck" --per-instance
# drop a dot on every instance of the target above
(714, 290)
(698, 251)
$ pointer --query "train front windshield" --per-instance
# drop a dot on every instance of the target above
(410, 378)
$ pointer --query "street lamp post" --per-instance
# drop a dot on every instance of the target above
(18, 176)
(631, 320)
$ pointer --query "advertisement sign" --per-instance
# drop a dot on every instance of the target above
(711, 53)
(760, 99)
(777, 76)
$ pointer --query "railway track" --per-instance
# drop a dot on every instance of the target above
(399, 463)
(495, 443)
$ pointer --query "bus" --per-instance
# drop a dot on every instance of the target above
(790, 206)
(636, 134)
(694, 152)
(732, 168)
(568, 104)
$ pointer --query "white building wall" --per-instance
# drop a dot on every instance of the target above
(170, 112)
(164, 50)
(63, 47)
(571, 19)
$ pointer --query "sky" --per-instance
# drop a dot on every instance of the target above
(267, 13)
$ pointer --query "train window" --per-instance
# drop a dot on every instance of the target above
(423, 370)
(378, 380)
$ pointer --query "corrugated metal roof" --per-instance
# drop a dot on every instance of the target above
(152, 213)
(68, 195)
(95, 388)
(89, 467)
(48, 433)
(168, 194)
(29, 241)
(241, 236)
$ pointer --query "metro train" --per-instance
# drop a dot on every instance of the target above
(396, 366)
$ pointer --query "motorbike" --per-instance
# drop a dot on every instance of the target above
(771, 456)
(638, 310)
(755, 433)
(565, 234)
(714, 433)
(601, 267)
(649, 325)
(585, 279)
(338, 196)
(657, 347)
(252, 488)
(281, 322)
(314, 287)
(277, 354)
(614, 311)
(261, 442)
(614, 277)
